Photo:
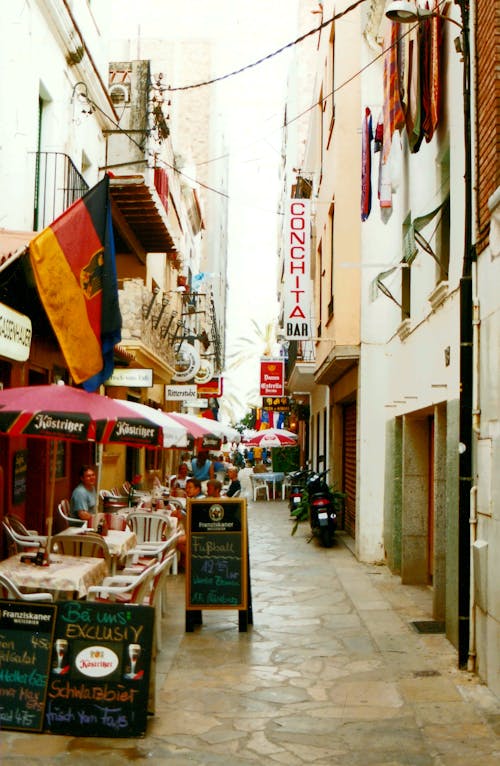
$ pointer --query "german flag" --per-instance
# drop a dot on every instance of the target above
(73, 261)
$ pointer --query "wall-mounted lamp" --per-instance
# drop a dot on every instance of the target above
(155, 320)
(408, 12)
(166, 327)
(147, 308)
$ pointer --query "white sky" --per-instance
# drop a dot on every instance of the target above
(245, 31)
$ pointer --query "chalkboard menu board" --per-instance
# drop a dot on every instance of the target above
(19, 476)
(216, 556)
(99, 676)
(26, 631)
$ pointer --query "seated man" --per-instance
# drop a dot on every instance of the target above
(84, 498)
(214, 488)
(234, 482)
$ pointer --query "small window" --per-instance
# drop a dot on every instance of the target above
(443, 243)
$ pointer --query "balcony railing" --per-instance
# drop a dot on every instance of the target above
(299, 351)
(57, 185)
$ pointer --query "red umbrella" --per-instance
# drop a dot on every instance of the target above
(271, 437)
(64, 412)
(59, 412)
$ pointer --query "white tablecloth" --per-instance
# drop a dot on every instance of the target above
(65, 577)
(118, 542)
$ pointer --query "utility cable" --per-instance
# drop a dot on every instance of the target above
(286, 123)
(270, 55)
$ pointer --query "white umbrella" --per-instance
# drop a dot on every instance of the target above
(174, 434)
(213, 426)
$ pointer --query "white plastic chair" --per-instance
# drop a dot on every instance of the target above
(64, 512)
(157, 596)
(124, 589)
(259, 486)
(20, 538)
(8, 589)
(89, 544)
(285, 487)
(148, 526)
(146, 550)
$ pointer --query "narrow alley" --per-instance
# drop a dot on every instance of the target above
(331, 672)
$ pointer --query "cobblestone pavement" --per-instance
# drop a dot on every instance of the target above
(331, 672)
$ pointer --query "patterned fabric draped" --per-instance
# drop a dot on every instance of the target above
(430, 71)
(366, 165)
(412, 87)
(394, 118)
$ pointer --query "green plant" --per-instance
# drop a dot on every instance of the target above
(285, 459)
(301, 511)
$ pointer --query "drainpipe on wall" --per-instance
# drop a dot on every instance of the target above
(466, 364)
(471, 661)
(476, 322)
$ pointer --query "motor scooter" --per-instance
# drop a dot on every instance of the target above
(297, 484)
(322, 508)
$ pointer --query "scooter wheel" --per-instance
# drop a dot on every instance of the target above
(326, 536)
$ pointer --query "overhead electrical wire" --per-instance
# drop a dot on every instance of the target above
(356, 74)
(270, 55)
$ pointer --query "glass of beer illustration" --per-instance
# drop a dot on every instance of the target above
(134, 652)
(61, 646)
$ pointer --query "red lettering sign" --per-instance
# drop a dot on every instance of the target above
(272, 377)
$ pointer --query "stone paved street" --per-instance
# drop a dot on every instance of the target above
(332, 672)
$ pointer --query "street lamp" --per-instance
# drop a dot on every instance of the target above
(407, 12)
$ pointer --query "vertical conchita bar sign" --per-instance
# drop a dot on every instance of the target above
(298, 289)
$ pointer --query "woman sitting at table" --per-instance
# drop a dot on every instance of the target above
(84, 498)
(178, 485)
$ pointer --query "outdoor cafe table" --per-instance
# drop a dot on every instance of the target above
(269, 477)
(119, 543)
(66, 577)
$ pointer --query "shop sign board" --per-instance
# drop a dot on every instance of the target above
(213, 387)
(15, 334)
(180, 393)
(135, 378)
(100, 670)
(276, 403)
(26, 630)
(217, 562)
(78, 668)
(272, 378)
(187, 363)
(297, 290)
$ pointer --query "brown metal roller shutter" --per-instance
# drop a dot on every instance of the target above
(349, 467)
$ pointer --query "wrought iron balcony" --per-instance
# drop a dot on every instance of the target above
(57, 185)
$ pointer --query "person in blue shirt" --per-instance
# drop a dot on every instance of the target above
(84, 498)
(202, 467)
